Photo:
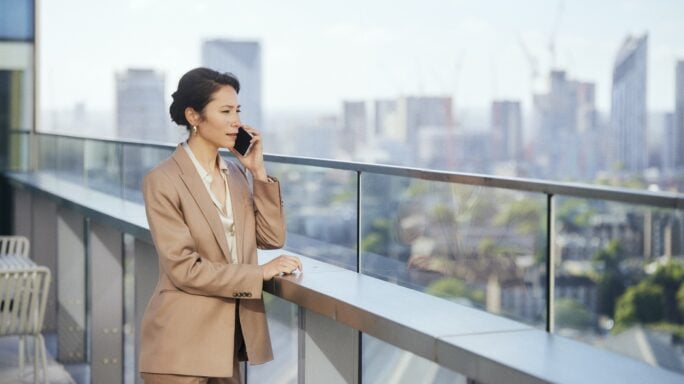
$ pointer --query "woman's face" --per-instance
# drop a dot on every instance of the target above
(221, 118)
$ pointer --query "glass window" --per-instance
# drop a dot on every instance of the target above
(482, 247)
(620, 278)
(16, 20)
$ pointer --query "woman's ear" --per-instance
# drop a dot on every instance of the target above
(192, 116)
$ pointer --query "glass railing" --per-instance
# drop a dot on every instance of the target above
(601, 265)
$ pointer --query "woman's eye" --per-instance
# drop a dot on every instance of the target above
(238, 111)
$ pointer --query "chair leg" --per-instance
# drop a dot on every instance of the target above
(35, 359)
(22, 346)
(43, 359)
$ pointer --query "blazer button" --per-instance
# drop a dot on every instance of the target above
(235, 294)
(249, 294)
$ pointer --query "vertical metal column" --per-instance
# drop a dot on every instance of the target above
(44, 250)
(146, 277)
(22, 212)
(358, 221)
(71, 287)
(550, 262)
(106, 249)
(331, 351)
(359, 335)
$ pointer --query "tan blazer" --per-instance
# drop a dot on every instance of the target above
(189, 325)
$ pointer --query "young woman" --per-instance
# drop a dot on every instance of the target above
(207, 311)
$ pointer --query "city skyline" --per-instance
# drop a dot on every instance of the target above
(315, 59)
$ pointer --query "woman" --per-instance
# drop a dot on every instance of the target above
(207, 311)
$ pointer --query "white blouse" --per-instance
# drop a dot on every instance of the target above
(226, 215)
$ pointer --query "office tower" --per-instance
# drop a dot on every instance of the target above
(385, 117)
(506, 121)
(354, 126)
(141, 110)
(586, 106)
(679, 115)
(565, 116)
(243, 59)
(668, 146)
(415, 112)
(628, 105)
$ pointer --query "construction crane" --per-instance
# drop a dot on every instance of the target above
(532, 62)
(554, 34)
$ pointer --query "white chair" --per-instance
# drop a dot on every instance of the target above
(23, 295)
(14, 246)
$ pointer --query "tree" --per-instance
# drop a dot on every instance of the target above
(642, 303)
(680, 300)
(451, 288)
(378, 239)
(611, 279)
(670, 277)
(572, 314)
(657, 299)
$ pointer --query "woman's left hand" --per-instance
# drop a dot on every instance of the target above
(254, 161)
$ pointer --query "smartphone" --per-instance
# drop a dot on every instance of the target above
(243, 142)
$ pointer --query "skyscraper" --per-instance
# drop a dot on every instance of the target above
(354, 126)
(385, 117)
(415, 112)
(141, 112)
(679, 115)
(506, 120)
(668, 147)
(243, 59)
(628, 105)
(564, 115)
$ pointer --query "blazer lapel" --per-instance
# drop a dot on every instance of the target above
(199, 192)
(237, 201)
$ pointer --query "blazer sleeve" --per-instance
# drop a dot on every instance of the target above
(186, 268)
(269, 215)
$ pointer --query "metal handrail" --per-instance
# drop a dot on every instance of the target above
(623, 195)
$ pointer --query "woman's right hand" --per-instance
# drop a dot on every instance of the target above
(281, 264)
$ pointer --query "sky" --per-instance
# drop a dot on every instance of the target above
(317, 53)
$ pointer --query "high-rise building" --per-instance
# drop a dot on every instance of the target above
(506, 121)
(679, 114)
(415, 112)
(564, 115)
(385, 117)
(628, 105)
(354, 126)
(141, 111)
(243, 59)
(668, 146)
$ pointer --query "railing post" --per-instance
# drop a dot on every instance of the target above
(122, 171)
(358, 221)
(550, 262)
(359, 335)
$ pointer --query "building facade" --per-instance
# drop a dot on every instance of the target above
(628, 105)
(506, 121)
(243, 59)
(141, 112)
(679, 115)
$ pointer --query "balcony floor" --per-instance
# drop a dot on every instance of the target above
(9, 362)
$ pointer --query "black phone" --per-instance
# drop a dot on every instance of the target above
(243, 142)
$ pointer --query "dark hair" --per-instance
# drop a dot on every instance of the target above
(195, 89)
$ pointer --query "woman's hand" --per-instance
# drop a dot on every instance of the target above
(254, 161)
(281, 264)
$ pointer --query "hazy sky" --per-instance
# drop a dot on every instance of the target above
(317, 53)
